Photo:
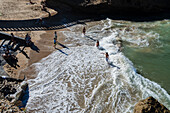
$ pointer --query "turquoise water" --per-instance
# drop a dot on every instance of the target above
(153, 61)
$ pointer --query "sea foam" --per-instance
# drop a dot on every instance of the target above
(79, 79)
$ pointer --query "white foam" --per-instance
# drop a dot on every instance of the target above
(81, 80)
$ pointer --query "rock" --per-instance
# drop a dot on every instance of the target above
(102, 6)
(150, 105)
(7, 107)
(8, 87)
(19, 94)
(11, 93)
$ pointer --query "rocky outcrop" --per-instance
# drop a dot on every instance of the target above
(7, 107)
(8, 86)
(100, 6)
(17, 97)
(11, 93)
(150, 105)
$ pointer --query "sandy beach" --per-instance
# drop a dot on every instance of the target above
(42, 39)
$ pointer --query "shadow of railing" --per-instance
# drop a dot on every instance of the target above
(31, 25)
(65, 19)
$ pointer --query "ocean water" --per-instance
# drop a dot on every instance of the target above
(153, 61)
(77, 79)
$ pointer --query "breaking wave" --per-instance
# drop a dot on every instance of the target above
(79, 79)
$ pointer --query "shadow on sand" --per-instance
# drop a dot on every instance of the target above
(62, 45)
(61, 51)
(12, 62)
(90, 38)
(25, 54)
(34, 47)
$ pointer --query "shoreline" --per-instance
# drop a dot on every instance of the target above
(43, 39)
(31, 69)
(41, 84)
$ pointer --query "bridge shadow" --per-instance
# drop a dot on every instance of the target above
(13, 62)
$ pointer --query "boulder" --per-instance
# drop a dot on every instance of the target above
(150, 105)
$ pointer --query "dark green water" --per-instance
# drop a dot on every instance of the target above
(153, 61)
